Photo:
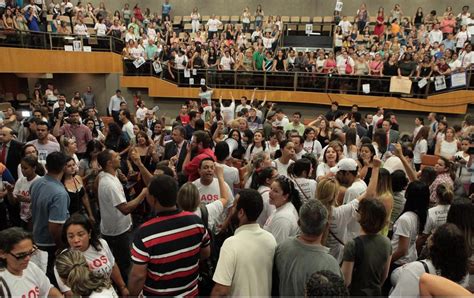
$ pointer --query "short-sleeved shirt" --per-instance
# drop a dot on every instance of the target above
(45, 149)
(111, 194)
(246, 261)
(436, 217)
(258, 58)
(49, 203)
(170, 245)
(100, 261)
(283, 223)
(81, 133)
(296, 262)
(369, 278)
(406, 226)
(32, 283)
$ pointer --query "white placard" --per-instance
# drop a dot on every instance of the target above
(68, 48)
(339, 5)
(366, 88)
(422, 83)
(309, 29)
(157, 67)
(187, 73)
(440, 83)
(195, 72)
(191, 81)
(139, 62)
(458, 79)
(77, 45)
(203, 81)
(87, 48)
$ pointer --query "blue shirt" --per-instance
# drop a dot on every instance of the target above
(49, 203)
(33, 24)
(166, 8)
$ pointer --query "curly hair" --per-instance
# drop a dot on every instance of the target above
(325, 284)
(449, 252)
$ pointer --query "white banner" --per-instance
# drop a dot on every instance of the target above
(440, 83)
(458, 79)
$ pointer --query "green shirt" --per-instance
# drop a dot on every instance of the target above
(368, 279)
(150, 51)
(258, 58)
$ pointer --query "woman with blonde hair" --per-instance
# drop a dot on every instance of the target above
(74, 271)
(341, 216)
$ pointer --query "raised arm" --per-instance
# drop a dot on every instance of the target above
(408, 169)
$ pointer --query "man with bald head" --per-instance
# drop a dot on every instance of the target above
(10, 151)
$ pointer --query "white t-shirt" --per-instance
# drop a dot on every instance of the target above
(228, 112)
(421, 147)
(240, 107)
(306, 187)
(313, 147)
(341, 216)
(436, 217)
(210, 193)
(80, 29)
(22, 187)
(101, 29)
(322, 170)
(213, 24)
(231, 175)
(352, 193)
(128, 128)
(110, 292)
(448, 149)
(251, 151)
(282, 168)
(32, 283)
(267, 42)
(226, 62)
(140, 114)
(100, 261)
(268, 209)
(407, 278)
(215, 211)
(283, 223)
(111, 194)
(406, 226)
(345, 27)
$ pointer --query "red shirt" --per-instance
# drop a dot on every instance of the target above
(184, 119)
(191, 169)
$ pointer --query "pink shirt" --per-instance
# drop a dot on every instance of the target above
(81, 133)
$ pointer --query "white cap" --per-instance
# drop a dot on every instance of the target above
(345, 164)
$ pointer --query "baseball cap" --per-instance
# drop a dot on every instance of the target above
(345, 164)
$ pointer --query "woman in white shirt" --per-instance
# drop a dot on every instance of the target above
(311, 144)
(258, 145)
(100, 28)
(330, 159)
(284, 157)
(79, 236)
(262, 182)
(421, 146)
(188, 199)
(21, 277)
(448, 147)
(283, 223)
(447, 257)
(73, 270)
(462, 157)
(300, 171)
(408, 226)
(195, 17)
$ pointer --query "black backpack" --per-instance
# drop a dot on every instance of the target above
(208, 266)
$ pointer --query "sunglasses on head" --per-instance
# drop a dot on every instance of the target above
(22, 256)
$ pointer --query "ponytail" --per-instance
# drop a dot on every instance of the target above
(288, 187)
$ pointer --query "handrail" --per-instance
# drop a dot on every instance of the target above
(290, 81)
(57, 41)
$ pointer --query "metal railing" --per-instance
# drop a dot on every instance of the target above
(289, 81)
(57, 41)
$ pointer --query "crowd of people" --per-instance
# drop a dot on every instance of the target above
(421, 47)
(237, 198)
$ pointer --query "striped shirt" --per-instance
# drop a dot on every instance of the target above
(170, 245)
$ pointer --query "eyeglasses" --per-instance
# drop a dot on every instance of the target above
(24, 255)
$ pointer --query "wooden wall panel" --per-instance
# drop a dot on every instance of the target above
(454, 102)
(15, 60)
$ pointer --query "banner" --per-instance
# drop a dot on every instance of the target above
(440, 83)
(139, 62)
(458, 79)
(400, 85)
(339, 5)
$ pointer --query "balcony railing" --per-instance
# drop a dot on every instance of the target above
(56, 41)
(289, 81)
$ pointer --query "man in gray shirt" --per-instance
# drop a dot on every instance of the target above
(298, 258)
(89, 98)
